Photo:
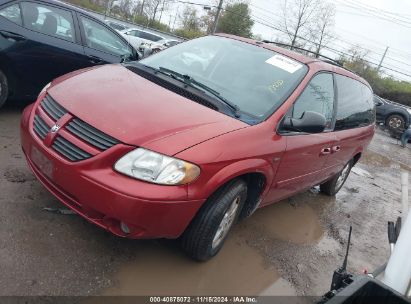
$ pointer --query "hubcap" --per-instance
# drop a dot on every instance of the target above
(395, 122)
(226, 223)
(344, 173)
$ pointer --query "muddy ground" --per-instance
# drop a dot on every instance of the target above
(289, 248)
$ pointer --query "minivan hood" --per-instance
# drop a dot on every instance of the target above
(138, 112)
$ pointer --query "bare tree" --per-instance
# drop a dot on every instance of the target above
(151, 8)
(298, 18)
(189, 19)
(322, 29)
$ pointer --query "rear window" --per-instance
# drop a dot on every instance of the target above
(117, 26)
(355, 106)
(150, 37)
(12, 13)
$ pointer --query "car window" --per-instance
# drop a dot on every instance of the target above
(149, 36)
(134, 33)
(12, 13)
(117, 26)
(48, 20)
(255, 79)
(101, 38)
(318, 96)
(355, 104)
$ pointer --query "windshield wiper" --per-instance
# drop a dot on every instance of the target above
(190, 81)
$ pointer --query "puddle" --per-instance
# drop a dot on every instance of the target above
(297, 224)
(237, 270)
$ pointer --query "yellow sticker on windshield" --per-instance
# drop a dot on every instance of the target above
(276, 85)
(284, 63)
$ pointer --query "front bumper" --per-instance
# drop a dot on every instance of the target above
(104, 197)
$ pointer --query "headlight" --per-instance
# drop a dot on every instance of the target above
(45, 88)
(156, 168)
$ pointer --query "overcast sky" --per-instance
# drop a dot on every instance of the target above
(353, 26)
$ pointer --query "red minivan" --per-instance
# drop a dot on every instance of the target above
(185, 142)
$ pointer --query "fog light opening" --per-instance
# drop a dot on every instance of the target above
(124, 228)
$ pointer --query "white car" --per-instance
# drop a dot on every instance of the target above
(149, 48)
(136, 37)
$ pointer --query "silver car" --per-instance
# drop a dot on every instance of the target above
(136, 37)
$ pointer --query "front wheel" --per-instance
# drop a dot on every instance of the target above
(4, 89)
(332, 186)
(395, 122)
(207, 232)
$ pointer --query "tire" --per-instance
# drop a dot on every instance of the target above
(395, 122)
(332, 186)
(200, 240)
(4, 89)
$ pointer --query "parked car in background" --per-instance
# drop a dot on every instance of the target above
(162, 148)
(41, 40)
(136, 37)
(116, 25)
(396, 117)
(149, 48)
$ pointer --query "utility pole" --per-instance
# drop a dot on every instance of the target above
(220, 6)
(382, 59)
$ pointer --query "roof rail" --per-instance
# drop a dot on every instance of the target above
(326, 59)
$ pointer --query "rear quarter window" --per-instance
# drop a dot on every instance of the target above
(355, 105)
(12, 13)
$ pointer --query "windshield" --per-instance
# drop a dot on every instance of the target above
(253, 78)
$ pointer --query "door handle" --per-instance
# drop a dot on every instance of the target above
(325, 151)
(336, 149)
(95, 59)
(12, 36)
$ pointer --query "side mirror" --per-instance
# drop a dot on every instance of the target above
(378, 103)
(310, 122)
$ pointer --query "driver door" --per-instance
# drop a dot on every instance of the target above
(304, 160)
(102, 44)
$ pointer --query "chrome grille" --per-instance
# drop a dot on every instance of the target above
(69, 150)
(90, 134)
(40, 127)
(52, 108)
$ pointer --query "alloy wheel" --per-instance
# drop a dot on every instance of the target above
(226, 223)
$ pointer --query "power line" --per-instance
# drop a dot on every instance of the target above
(376, 15)
(379, 11)
(264, 22)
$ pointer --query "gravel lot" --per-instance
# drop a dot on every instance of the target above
(288, 248)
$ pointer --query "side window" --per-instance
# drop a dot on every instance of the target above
(318, 97)
(101, 38)
(150, 37)
(48, 20)
(12, 13)
(355, 104)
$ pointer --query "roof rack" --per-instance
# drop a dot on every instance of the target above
(326, 59)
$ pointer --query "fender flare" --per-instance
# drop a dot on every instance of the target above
(237, 169)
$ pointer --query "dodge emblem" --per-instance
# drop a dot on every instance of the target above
(55, 128)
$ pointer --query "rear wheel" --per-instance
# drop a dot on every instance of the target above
(395, 122)
(4, 89)
(332, 186)
(206, 234)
